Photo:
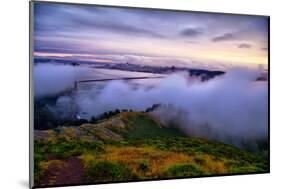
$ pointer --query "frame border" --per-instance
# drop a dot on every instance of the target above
(31, 95)
(31, 92)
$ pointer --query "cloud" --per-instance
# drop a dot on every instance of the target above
(264, 48)
(244, 46)
(52, 79)
(224, 37)
(191, 32)
(72, 19)
(230, 108)
(71, 47)
(111, 26)
(66, 28)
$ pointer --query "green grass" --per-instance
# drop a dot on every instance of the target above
(106, 171)
(143, 127)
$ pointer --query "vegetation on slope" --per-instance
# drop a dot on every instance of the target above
(133, 146)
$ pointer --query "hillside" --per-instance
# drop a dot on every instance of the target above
(132, 146)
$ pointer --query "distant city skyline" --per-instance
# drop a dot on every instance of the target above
(149, 36)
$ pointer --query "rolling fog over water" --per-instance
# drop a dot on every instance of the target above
(232, 108)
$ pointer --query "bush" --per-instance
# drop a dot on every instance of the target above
(200, 160)
(38, 173)
(105, 171)
(62, 148)
(183, 170)
(249, 169)
(144, 165)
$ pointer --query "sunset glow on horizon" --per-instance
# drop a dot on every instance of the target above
(149, 37)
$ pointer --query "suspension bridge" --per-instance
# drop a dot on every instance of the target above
(76, 83)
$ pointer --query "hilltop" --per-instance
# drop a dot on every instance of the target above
(132, 146)
(125, 125)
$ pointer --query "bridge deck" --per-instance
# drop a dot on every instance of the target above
(112, 79)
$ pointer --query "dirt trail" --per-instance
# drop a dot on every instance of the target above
(71, 172)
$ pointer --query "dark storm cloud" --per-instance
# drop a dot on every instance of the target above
(192, 32)
(224, 37)
(244, 46)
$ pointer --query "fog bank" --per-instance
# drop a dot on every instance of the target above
(51, 79)
(229, 108)
(232, 108)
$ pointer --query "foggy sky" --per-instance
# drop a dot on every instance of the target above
(100, 33)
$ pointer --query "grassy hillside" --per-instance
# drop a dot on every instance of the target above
(132, 146)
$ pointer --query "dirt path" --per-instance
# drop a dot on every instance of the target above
(70, 172)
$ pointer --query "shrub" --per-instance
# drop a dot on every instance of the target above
(200, 160)
(93, 119)
(249, 169)
(183, 170)
(144, 165)
(105, 171)
(38, 172)
(62, 148)
(236, 163)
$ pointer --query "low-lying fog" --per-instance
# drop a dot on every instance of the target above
(232, 108)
